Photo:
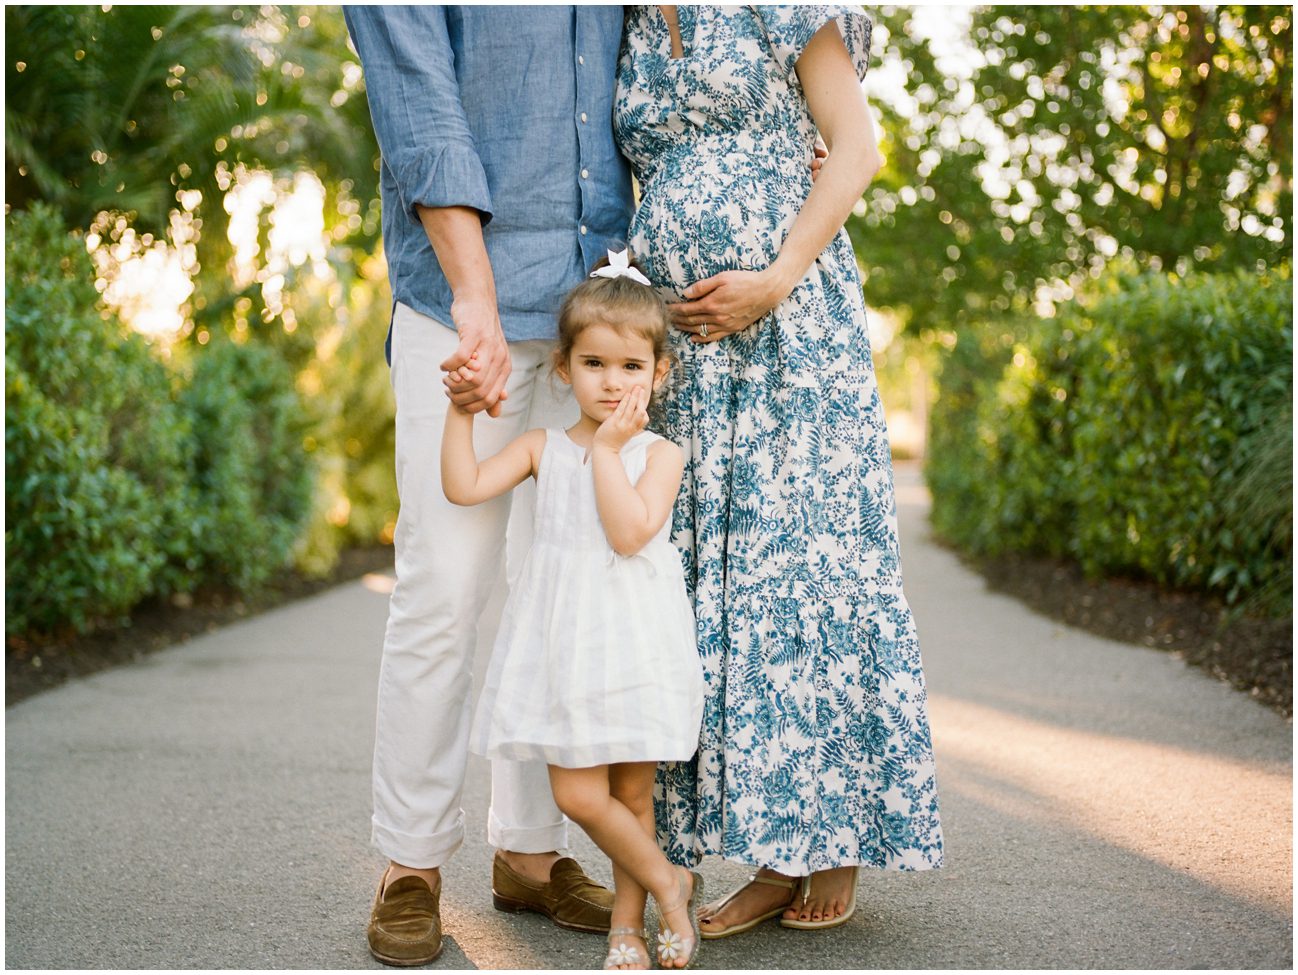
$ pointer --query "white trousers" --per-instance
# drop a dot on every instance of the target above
(448, 559)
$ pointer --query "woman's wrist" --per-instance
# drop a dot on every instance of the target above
(781, 280)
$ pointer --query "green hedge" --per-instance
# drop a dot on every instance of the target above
(1126, 432)
(123, 481)
(96, 495)
(249, 469)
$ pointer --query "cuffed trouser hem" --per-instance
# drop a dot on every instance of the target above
(532, 839)
(420, 852)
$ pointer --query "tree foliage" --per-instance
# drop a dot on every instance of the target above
(1157, 135)
(96, 494)
(133, 109)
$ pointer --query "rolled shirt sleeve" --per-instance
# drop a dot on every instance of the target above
(415, 107)
(506, 109)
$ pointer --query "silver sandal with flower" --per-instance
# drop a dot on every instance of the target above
(621, 953)
(672, 944)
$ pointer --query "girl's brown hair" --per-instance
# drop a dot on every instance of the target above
(626, 306)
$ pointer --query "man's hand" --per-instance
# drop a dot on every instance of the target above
(478, 369)
(455, 233)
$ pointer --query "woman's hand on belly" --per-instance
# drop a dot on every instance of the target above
(729, 302)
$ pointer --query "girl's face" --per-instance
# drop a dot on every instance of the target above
(605, 365)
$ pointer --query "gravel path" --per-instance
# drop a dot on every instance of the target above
(1104, 806)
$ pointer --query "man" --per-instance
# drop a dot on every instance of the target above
(501, 185)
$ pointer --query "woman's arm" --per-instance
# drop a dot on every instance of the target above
(465, 480)
(732, 300)
(633, 514)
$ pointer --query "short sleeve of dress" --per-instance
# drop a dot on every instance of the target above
(791, 28)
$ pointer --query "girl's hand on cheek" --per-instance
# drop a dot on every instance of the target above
(630, 417)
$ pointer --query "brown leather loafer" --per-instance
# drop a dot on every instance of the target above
(406, 923)
(570, 899)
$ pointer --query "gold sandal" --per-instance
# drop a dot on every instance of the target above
(711, 934)
(824, 923)
(623, 953)
(671, 944)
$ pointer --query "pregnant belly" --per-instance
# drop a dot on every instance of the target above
(694, 222)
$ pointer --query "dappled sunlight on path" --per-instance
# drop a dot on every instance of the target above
(1178, 807)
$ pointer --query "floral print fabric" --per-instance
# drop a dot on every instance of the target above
(815, 748)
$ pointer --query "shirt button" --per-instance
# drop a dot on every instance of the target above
(585, 174)
(583, 116)
(580, 59)
(583, 230)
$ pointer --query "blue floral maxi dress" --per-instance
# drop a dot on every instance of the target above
(815, 748)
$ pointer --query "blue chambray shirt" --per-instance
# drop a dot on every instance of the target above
(507, 110)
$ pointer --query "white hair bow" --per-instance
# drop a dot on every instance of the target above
(619, 266)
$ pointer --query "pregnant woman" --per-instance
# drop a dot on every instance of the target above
(815, 757)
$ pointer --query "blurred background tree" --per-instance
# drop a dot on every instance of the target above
(1052, 159)
(1058, 139)
(144, 118)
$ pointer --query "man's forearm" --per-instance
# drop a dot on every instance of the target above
(456, 236)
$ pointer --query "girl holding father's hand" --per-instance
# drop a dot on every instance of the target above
(595, 670)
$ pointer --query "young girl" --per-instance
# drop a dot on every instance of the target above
(595, 669)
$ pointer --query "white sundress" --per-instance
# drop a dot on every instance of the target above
(595, 661)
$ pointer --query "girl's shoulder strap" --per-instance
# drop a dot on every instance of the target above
(558, 442)
(557, 435)
(635, 455)
(638, 446)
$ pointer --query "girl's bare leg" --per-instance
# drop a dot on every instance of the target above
(632, 785)
(586, 797)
